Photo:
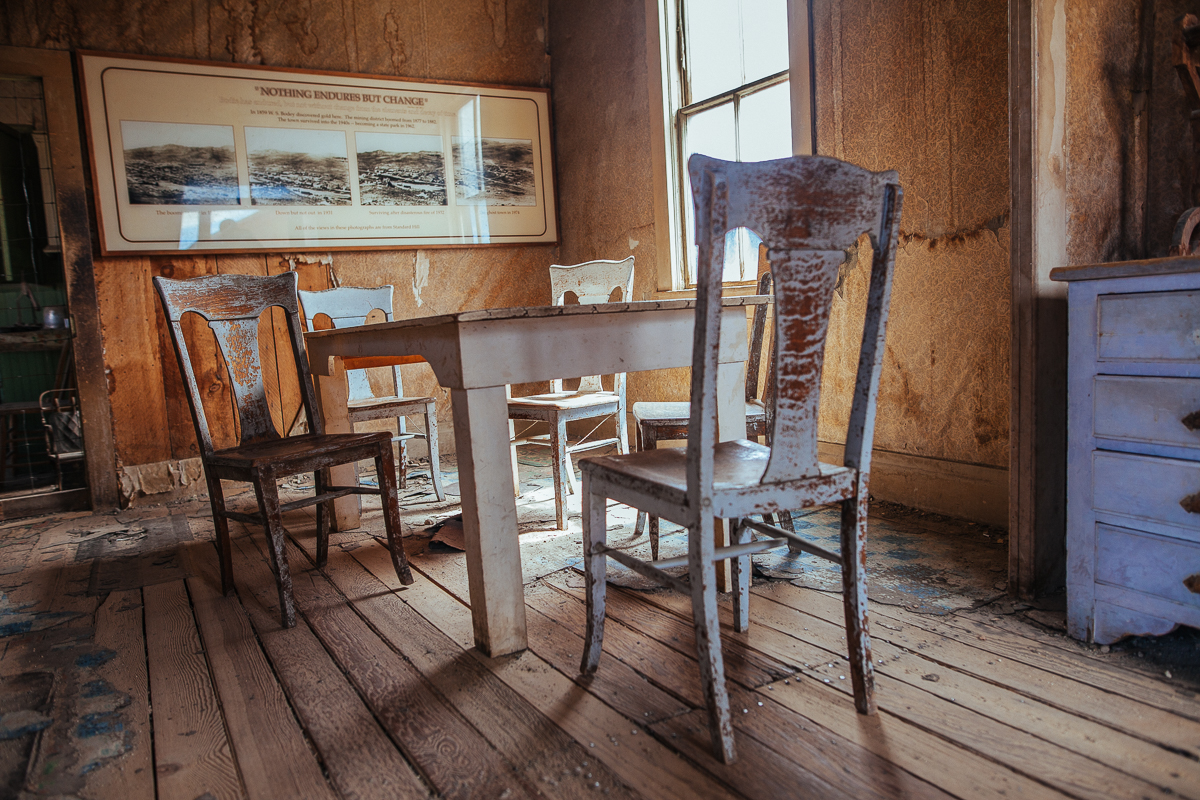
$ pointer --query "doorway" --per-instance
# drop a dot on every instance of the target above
(55, 422)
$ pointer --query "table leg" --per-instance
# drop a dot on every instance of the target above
(731, 424)
(332, 397)
(489, 519)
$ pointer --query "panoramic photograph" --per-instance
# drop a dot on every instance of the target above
(293, 167)
(493, 172)
(171, 164)
(399, 169)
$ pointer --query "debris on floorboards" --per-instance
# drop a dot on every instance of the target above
(124, 673)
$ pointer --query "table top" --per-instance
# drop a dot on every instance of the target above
(1127, 269)
(524, 312)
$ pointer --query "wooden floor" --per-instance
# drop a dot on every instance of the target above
(126, 674)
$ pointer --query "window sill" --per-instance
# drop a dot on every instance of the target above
(739, 289)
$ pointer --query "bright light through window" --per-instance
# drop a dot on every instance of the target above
(735, 103)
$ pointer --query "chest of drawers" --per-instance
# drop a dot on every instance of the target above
(1133, 437)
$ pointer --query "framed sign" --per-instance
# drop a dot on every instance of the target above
(190, 155)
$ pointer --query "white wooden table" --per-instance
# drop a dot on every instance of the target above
(476, 354)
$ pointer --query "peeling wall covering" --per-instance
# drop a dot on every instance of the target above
(602, 145)
(921, 87)
(1169, 156)
(485, 41)
(1129, 165)
(1107, 110)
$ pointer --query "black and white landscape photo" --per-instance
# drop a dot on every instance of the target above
(292, 167)
(400, 169)
(172, 164)
(493, 172)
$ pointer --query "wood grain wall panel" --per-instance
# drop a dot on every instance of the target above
(457, 40)
(202, 344)
(132, 360)
(919, 87)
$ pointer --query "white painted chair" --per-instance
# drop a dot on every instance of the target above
(654, 422)
(591, 282)
(347, 306)
(808, 210)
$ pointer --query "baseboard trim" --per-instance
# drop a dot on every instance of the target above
(971, 491)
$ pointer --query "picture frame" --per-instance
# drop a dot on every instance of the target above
(200, 156)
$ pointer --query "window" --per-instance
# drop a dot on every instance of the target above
(729, 99)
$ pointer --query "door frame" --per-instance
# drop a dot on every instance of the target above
(55, 69)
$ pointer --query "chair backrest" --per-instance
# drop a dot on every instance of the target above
(232, 305)
(346, 307)
(592, 282)
(808, 210)
(61, 422)
(757, 333)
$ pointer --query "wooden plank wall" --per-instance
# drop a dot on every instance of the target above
(145, 386)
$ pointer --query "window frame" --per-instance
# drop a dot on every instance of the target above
(680, 107)
(663, 53)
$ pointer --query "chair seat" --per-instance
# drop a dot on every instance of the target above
(388, 402)
(372, 408)
(679, 413)
(297, 453)
(738, 466)
(564, 400)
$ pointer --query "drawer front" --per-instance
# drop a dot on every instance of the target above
(1153, 488)
(1149, 326)
(1162, 567)
(1154, 410)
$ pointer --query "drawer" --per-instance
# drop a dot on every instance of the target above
(1138, 409)
(1147, 487)
(1149, 326)
(1163, 567)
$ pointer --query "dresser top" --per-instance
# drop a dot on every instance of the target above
(1128, 269)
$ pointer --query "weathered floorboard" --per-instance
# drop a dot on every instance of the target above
(192, 755)
(361, 759)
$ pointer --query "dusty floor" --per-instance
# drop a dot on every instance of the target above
(72, 654)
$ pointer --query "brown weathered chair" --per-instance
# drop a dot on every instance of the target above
(663, 422)
(232, 305)
(809, 211)
(591, 282)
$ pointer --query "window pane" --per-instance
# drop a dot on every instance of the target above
(764, 38)
(741, 255)
(765, 124)
(714, 49)
(711, 132)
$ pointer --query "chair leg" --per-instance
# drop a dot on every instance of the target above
(650, 442)
(557, 451)
(622, 431)
(743, 571)
(268, 506)
(216, 499)
(595, 531)
(435, 458)
(702, 573)
(854, 597)
(639, 524)
(324, 515)
(512, 454)
(385, 467)
(569, 468)
(403, 465)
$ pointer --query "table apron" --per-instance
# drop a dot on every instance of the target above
(478, 354)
